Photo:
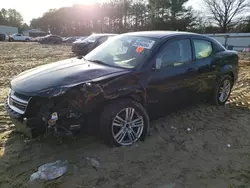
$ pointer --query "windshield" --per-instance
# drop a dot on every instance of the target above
(122, 51)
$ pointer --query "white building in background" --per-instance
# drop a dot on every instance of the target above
(8, 30)
(34, 33)
(233, 41)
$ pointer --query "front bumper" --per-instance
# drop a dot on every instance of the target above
(17, 120)
(31, 127)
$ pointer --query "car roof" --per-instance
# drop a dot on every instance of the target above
(161, 34)
(104, 34)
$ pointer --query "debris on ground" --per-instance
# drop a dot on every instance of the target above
(94, 162)
(50, 171)
(229, 145)
(174, 128)
(168, 186)
(188, 129)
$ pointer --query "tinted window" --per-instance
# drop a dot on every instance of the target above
(54, 37)
(174, 53)
(203, 49)
(102, 40)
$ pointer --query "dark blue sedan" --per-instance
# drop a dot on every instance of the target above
(119, 82)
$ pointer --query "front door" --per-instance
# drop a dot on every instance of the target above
(174, 79)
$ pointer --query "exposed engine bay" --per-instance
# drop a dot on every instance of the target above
(65, 112)
(64, 123)
(60, 116)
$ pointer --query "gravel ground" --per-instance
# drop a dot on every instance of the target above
(215, 152)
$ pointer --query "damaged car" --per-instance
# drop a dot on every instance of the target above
(119, 82)
(86, 45)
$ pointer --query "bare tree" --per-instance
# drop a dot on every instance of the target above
(225, 12)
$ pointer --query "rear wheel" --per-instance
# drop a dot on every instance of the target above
(223, 90)
(124, 122)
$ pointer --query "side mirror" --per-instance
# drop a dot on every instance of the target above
(157, 64)
(154, 67)
(80, 57)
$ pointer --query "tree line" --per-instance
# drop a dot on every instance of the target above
(11, 17)
(119, 16)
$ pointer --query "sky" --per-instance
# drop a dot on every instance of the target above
(34, 9)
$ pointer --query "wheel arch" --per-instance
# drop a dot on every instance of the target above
(226, 70)
(97, 106)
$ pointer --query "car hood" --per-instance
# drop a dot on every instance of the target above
(68, 72)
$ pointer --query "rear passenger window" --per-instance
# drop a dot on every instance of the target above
(203, 49)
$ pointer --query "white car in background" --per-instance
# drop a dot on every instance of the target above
(19, 37)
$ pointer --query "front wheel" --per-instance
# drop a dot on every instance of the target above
(124, 122)
(223, 90)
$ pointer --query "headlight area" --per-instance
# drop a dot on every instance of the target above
(53, 92)
(60, 109)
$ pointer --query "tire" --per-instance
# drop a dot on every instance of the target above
(2, 37)
(216, 100)
(109, 128)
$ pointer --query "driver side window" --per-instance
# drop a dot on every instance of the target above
(174, 53)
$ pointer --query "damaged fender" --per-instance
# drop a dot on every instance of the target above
(98, 93)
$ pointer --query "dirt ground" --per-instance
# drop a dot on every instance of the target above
(215, 153)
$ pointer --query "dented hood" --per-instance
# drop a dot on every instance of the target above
(62, 73)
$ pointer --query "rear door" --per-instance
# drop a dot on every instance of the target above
(204, 52)
(174, 79)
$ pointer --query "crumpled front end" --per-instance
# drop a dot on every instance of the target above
(63, 109)
(34, 116)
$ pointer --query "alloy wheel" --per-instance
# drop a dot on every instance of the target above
(127, 126)
(224, 90)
